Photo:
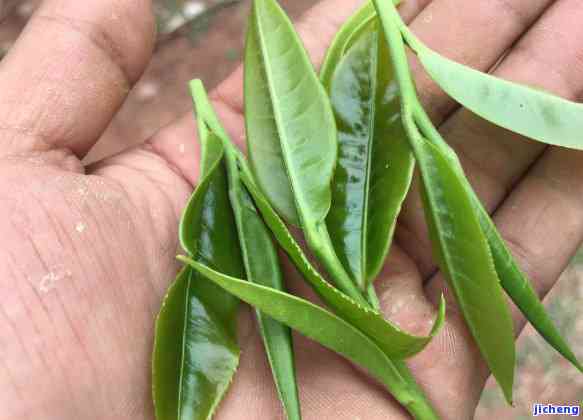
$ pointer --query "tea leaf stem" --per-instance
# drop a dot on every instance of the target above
(320, 243)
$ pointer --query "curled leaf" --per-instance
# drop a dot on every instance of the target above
(350, 30)
(394, 342)
(196, 352)
(327, 329)
(260, 260)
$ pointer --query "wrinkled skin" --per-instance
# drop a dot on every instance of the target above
(87, 253)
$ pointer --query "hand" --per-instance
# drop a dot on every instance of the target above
(88, 252)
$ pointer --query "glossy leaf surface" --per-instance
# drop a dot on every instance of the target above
(261, 265)
(325, 328)
(375, 164)
(291, 133)
(196, 351)
(260, 259)
(465, 258)
(392, 340)
(352, 29)
(533, 113)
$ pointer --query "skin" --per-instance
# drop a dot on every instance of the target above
(88, 252)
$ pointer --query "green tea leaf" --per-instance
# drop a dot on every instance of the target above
(325, 328)
(196, 351)
(530, 112)
(465, 258)
(291, 133)
(459, 243)
(352, 29)
(194, 357)
(375, 164)
(518, 287)
(391, 339)
(512, 278)
(261, 263)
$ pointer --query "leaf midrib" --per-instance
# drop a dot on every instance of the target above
(444, 249)
(372, 118)
(279, 124)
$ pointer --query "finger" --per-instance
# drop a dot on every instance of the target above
(327, 17)
(493, 158)
(70, 71)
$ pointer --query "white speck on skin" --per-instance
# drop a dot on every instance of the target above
(428, 18)
(49, 281)
(181, 148)
(190, 10)
(193, 8)
(80, 227)
(147, 90)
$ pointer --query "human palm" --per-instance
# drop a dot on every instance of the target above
(88, 252)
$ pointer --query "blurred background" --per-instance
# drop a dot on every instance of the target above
(204, 39)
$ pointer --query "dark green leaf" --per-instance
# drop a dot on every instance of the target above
(194, 365)
(327, 329)
(465, 258)
(194, 357)
(375, 164)
(392, 340)
(263, 268)
(291, 132)
(352, 29)
(261, 263)
(524, 110)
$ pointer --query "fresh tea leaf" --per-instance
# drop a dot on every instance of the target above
(459, 243)
(393, 341)
(194, 357)
(518, 287)
(291, 133)
(260, 258)
(512, 278)
(375, 164)
(352, 29)
(465, 258)
(533, 113)
(262, 265)
(327, 329)
(196, 352)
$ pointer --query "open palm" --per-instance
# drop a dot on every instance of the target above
(88, 252)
